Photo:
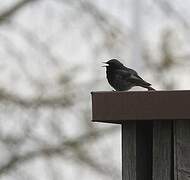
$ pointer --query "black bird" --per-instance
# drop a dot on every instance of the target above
(122, 78)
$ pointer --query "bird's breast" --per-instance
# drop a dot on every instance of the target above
(117, 81)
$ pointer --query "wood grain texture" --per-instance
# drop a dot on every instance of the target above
(144, 150)
(118, 107)
(162, 150)
(137, 150)
(129, 151)
(182, 150)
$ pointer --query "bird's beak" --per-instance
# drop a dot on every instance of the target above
(106, 64)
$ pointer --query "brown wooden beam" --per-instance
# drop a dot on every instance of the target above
(118, 107)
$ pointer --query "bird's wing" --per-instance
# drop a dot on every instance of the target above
(131, 71)
(138, 80)
(123, 74)
(132, 76)
(134, 73)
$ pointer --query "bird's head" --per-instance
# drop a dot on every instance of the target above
(113, 63)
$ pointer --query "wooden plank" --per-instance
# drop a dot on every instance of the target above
(182, 150)
(144, 150)
(129, 151)
(137, 150)
(163, 150)
(117, 107)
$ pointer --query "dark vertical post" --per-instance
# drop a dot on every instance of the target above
(129, 151)
(144, 150)
(182, 150)
(137, 150)
(163, 158)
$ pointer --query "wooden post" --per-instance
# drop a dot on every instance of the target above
(155, 131)
(137, 150)
(163, 155)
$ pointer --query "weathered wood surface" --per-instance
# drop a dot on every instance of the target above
(155, 132)
(182, 150)
(162, 150)
(129, 151)
(118, 107)
(137, 150)
(158, 150)
(144, 150)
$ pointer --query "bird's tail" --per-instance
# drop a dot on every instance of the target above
(150, 88)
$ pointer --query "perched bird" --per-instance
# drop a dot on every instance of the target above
(122, 78)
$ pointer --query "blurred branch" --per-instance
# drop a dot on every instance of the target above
(107, 23)
(169, 10)
(165, 64)
(35, 42)
(59, 100)
(60, 149)
(4, 16)
(105, 168)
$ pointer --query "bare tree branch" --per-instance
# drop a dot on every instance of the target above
(60, 149)
(59, 100)
(169, 10)
(4, 16)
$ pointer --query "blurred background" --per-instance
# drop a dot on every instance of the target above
(50, 60)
